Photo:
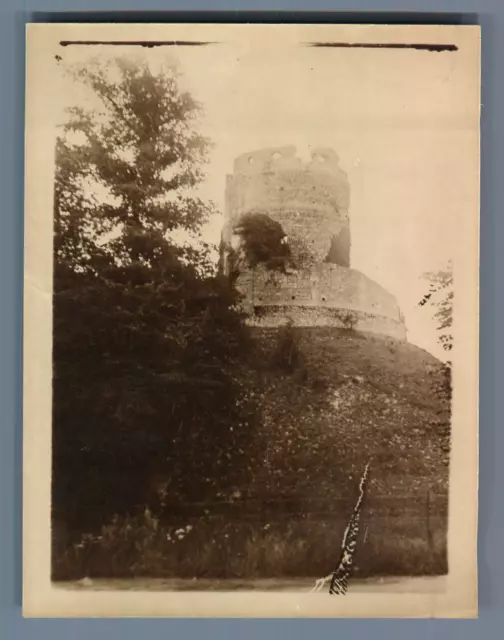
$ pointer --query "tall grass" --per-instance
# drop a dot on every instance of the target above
(214, 547)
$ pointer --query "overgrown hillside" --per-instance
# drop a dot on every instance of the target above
(329, 401)
(333, 400)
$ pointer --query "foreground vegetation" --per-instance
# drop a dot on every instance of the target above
(320, 420)
(219, 548)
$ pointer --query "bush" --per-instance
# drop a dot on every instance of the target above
(154, 362)
(348, 320)
(287, 354)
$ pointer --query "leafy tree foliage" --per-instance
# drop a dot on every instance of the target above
(125, 186)
(147, 342)
(440, 297)
(263, 241)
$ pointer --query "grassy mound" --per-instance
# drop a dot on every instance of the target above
(330, 401)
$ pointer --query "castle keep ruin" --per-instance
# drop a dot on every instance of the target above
(310, 203)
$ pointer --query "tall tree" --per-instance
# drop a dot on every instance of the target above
(123, 188)
(147, 342)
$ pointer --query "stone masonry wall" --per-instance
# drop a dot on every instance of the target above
(318, 297)
(277, 316)
(310, 201)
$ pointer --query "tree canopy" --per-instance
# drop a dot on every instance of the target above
(147, 341)
(126, 185)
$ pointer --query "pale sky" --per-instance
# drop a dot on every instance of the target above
(398, 120)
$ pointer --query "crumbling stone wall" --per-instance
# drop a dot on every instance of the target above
(320, 297)
(310, 201)
(342, 318)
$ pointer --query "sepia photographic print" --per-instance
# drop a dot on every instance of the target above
(251, 321)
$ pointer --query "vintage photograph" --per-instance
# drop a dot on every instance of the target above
(251, 320)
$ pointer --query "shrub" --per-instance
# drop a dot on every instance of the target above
(287, 354)
(348, 320)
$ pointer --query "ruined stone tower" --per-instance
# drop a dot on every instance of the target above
(310, 201)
